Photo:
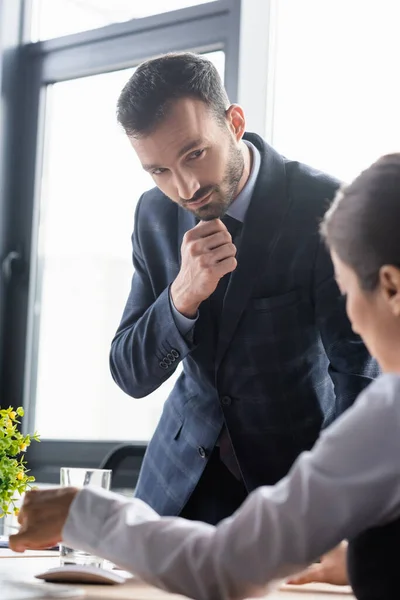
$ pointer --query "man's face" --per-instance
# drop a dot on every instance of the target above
(194, 160)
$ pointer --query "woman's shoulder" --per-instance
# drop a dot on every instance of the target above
(386, 388)
(373, 421)
(381, 401)
(376, 410)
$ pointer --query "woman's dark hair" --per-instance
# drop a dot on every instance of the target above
(363, 224)
(155, 84)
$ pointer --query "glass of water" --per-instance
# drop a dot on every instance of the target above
(75, 477)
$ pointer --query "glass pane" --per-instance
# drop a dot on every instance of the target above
(337, 94)
(91, 182)
(55, 18)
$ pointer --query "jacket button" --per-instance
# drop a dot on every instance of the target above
(163, 364)
(201, 451)
(175, 353)
(226, 400)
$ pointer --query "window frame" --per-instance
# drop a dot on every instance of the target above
(202, 28)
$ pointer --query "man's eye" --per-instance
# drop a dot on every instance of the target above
(195, 154)
(159, 171)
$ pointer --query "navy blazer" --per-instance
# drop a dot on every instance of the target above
(285, 362)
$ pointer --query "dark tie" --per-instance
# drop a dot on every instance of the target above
(233, 225)
(226, 452)
(217, 297)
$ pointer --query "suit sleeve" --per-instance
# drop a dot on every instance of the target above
(277, 530)
(148, 345)
(351, 367)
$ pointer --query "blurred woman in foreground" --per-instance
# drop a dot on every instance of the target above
(347, 487)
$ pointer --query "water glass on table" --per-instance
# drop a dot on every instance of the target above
(76, 477)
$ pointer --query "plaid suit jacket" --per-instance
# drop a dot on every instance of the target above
(285, 363)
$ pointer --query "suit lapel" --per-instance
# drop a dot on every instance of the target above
(260, 231)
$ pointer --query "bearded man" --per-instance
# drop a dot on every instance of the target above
(230, 278)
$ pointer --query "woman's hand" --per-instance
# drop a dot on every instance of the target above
(42, 518)
(332, 569)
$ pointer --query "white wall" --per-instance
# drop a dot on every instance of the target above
(256, 64)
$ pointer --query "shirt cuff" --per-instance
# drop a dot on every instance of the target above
(87, 514)
(184, 324)
(100, 522)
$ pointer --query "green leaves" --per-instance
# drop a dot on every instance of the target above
(14, 476)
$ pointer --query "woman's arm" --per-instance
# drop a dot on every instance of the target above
(348, 483)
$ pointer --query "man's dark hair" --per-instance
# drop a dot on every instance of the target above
(155, 84)
(363, 224)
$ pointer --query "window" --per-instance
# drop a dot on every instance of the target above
(54, 18)
(69, 192)
(91, 182)
(336, 87)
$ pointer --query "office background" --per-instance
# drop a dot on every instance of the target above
(317, 78)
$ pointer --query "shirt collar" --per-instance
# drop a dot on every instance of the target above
(239, 206)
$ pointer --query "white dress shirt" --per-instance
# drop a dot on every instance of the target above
(348, 483)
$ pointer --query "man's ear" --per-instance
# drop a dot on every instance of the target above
(236, 121)
(389, 279)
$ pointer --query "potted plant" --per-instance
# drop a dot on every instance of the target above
(14, 478)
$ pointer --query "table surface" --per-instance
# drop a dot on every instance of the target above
(24, 567)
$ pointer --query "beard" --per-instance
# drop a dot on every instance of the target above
(223, 194)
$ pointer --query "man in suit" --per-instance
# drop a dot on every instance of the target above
(231, 278)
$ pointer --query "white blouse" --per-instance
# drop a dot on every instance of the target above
(349, 482)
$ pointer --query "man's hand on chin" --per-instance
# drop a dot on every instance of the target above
(332, 569)
(42, 518)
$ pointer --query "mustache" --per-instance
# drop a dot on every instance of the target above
(201, 193)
